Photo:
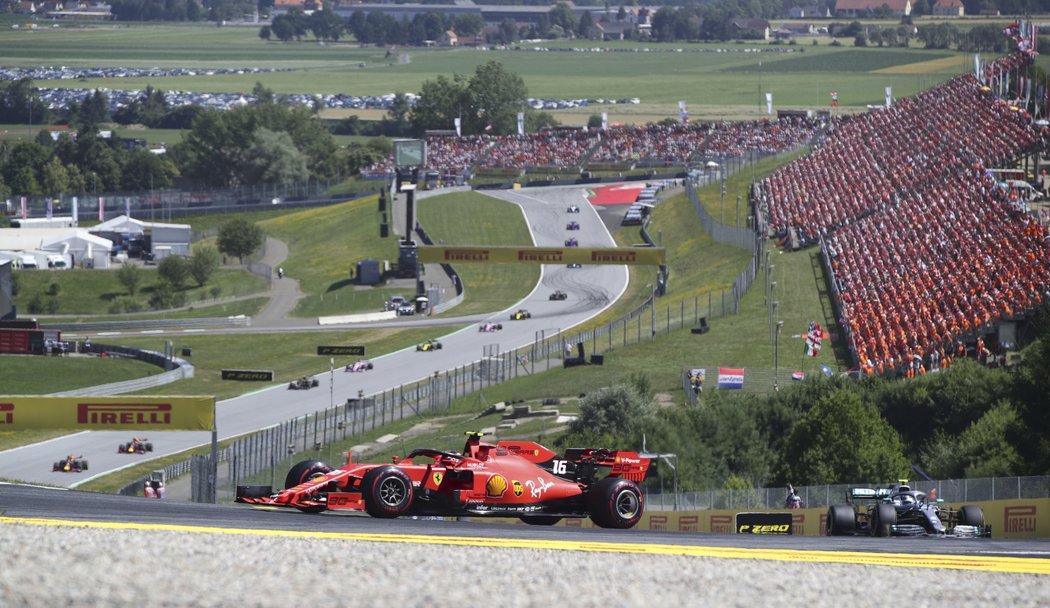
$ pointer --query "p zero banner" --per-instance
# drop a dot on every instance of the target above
(248, 375)
(764, 523)
(107, 413)
(356, 350)
(634, 256)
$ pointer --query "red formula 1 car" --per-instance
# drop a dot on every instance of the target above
(135, 446)
(509, 479)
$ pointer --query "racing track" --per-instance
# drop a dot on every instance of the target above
(19, 503)
(591, 289)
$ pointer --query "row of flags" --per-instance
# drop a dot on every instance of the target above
(732, 378)
(814, 339)
(74, 208)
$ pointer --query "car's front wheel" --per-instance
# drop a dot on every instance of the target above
(883, 517)
(387, 492)
(971, 515)
(841, 520)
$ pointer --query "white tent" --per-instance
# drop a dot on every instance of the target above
(85, 248)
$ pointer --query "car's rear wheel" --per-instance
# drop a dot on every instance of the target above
(387, 492)
(883, 517)
(971, 515)
(83, 465)
(841, 520)
(615, 502)
(149, 447)
(540, 520)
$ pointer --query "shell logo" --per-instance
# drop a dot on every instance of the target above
(496, 486)
(518, 490)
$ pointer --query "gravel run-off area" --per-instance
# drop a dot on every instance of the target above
(72, 566)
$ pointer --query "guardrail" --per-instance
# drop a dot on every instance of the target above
(95, 326)
(177, 370)
(948, 490)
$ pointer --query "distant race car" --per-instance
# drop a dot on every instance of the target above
(574, 265)
(573, 225)
(520, 315)
(509, 479)
(428, 346)
(135, 446)
(406, 309)
(572, 242)
(572, 209)
(359, 366)
(490, 327)
(302, 384)
(559, 295)
(69, 464)
(900, 511)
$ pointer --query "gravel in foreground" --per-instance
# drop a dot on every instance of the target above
(49, 566)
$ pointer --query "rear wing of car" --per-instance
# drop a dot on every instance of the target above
(628, 465)
(873, 494)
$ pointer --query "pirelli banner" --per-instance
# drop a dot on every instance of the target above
(635, 256)
(107, 413)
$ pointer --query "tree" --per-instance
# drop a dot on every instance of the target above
(496, 97)
(130, 276)
(175, 270)
(440, 102)
(613, 412)
(469, 24)
(274, 159)
(239, 237)
(585, 27)
(145, 170)
(842, 440)
(203, 263)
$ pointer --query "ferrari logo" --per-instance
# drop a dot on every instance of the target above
(518, 490)
(437, 478)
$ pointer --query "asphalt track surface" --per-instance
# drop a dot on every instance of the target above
(61, 547)
(591, 289)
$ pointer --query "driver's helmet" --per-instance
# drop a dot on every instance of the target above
(907, 499)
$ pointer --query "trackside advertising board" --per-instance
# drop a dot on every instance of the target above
(775, 522)
(635, 256)
(1018, 518)
(107, 413)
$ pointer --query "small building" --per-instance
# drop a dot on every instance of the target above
(753, 29)
(809, 12)
(138, 237)
(863, 8)
(80, 248)
(449, 38)
(949, 8)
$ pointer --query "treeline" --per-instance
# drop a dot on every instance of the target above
(966, 421)
(267, 143)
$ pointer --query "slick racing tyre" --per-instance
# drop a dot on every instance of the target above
(883, 517)
(841, 520)
(614, 502)
(149, 447)
(971, 515)
(387, 492)
(540, 520)
(302, 472)
(83, 465)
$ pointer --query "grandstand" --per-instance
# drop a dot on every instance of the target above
(927, 253)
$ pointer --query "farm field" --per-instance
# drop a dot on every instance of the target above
(802, 75)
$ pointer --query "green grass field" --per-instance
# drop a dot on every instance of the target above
(800, 78)
(87, 291)
(475, 219)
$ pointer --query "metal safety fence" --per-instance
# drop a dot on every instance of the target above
(949, 490)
